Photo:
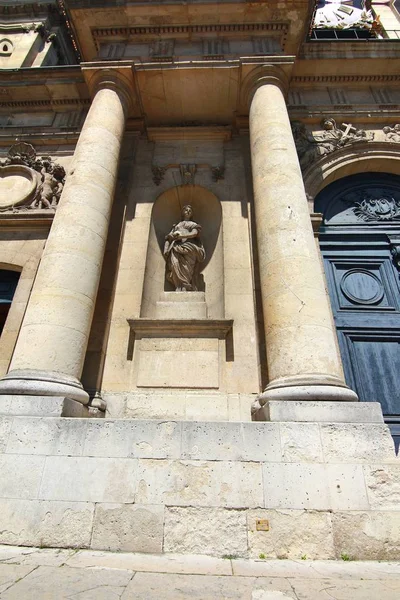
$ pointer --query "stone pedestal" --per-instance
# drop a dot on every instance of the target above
(182, 305)
(302, 352)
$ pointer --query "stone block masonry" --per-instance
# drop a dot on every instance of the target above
(321, 489)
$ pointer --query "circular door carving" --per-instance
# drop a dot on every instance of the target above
(362, 287)
(18, 185)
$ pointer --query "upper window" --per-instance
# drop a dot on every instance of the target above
(355, 20)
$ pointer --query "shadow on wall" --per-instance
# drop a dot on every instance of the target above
(167, 211)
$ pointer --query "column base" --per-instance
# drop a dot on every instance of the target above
(320, 412)
(33, 382)
(309, 392)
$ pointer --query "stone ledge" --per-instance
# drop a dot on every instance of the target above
(322, 412)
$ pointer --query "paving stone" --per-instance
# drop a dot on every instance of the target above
(162, 563)
(11, 573)
(48, 583)
(337, 589)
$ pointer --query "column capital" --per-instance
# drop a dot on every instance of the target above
(115, 76)
(277, 74)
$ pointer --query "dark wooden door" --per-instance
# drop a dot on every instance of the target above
(357, 246)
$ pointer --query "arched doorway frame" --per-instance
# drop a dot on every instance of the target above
(365, 158)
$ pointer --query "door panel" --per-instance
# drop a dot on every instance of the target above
(365, 295)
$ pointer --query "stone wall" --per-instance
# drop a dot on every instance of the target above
(190, 487)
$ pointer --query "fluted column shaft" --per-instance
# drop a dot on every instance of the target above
(51, 346)
(302, 354)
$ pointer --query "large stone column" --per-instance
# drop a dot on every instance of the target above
(302, 352)
(50, 351)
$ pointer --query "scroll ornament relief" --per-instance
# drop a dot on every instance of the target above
(382, 208)
(28, 181)
(311, 147)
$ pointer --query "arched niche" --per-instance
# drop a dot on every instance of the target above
(167, 211)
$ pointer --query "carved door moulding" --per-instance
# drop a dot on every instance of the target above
(29, 182)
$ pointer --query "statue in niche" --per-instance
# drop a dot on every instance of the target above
(183, 252)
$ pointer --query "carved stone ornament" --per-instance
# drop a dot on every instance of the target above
(158, 173)
(392, 133)
(383, 208)
(187, 174)
(310, 147)
(28, 181)
(218, 173)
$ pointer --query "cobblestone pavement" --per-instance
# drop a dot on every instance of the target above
(47, 574)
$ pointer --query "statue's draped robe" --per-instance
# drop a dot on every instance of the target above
(183, 257)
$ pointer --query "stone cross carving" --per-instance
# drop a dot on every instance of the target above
(310, 147)
(184, 252)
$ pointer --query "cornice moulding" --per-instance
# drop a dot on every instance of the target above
(301, 79)
(149, 30)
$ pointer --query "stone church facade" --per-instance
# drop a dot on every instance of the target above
(200, 277)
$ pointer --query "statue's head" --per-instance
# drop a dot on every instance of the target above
(329, 124)
(187, 212)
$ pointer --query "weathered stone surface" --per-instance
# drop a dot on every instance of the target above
(20, 475)
(5, 428)
(314, 486)
(128, 528)
(47, 436)
(41, 406)
(199, 483)
(42, 523)
(214, 531)
(322, 412)
(91, 584)
(368, 535)
(337, 588)
(231, 441)
(128, 438)
(11, 573)
(182, 587)
(301, 442)
(362, 442)
(292, 534)
(383, 486)
(86, 479)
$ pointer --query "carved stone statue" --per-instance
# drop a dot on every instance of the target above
(392, 133)
(312, 147)
(183, 252)
(47, 176)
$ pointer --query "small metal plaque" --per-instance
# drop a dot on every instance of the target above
(262, 525)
